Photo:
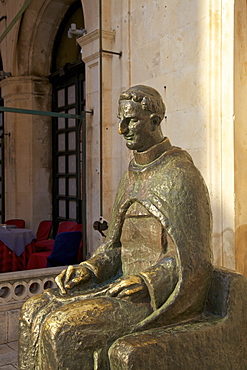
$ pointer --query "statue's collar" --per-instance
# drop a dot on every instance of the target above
(143, 158)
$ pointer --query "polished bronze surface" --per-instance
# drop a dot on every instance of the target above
(215, 340)
(154, 267)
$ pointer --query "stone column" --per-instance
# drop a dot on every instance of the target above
(90, 45)
(240, 133)
(28, 156)
(220, 145)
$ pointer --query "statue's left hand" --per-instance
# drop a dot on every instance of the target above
(132, 288)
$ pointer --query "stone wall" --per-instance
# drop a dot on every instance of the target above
(185, 51)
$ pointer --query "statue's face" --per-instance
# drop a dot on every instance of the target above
(135, 126)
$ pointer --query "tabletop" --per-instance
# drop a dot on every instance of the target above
(16, 239)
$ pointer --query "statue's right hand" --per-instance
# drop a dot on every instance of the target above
(71, 277)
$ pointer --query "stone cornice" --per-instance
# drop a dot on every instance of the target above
(90, 44)
(94, 35)
(91, 57)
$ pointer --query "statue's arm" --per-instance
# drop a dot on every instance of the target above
(155, 283)
(105, 264)
(161, 280)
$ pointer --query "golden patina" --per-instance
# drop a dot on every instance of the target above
(154, 267)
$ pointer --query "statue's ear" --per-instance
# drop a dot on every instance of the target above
(154, 121)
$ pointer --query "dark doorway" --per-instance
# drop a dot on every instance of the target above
(68, 78)
(2, 200)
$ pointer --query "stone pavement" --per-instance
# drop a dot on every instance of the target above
(8, 356)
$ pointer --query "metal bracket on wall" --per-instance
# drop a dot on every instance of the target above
(112, 52)
(2, 135)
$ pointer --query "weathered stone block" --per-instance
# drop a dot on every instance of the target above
(12, 325)
(3, 331)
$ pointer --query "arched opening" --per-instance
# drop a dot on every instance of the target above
(66, 50)
(36, 35)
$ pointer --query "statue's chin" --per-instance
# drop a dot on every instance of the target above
(133, 145)
(130, 145)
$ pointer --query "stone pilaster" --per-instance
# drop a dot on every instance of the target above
(90, 45)
(220, 128)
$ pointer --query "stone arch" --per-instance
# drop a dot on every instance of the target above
(37, 32)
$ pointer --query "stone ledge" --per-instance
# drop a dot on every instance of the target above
(15, 289)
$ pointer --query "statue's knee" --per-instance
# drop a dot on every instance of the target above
(33, 302)
(52, 328)
(31, 307)
(119, 354)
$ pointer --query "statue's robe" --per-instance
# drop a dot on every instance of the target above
(161, 231)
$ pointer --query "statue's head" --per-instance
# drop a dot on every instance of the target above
(141, 110)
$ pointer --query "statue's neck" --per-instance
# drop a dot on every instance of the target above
(152, 153)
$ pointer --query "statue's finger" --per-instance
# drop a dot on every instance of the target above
(129, 291)
(73, 283)
(58, 280)
(134, 295)
(59, 277)
(69, 272)
(114, 291)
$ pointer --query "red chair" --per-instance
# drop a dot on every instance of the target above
(20, 224)
(44, 230)
(66, 226)
(38, 260)
(64, 252)
(47, 245)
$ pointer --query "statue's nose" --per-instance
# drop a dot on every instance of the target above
(123, 126)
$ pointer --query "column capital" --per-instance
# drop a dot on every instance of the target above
(90, 44)
(24, 85)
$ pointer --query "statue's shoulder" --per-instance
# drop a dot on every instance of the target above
(176, 162)
(176, 154)
(178, 171)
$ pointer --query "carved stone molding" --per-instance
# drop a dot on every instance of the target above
(17, 287)
(90, 44)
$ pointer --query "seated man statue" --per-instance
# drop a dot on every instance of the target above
(154, 267)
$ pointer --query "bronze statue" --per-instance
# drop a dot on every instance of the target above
(154, 267)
